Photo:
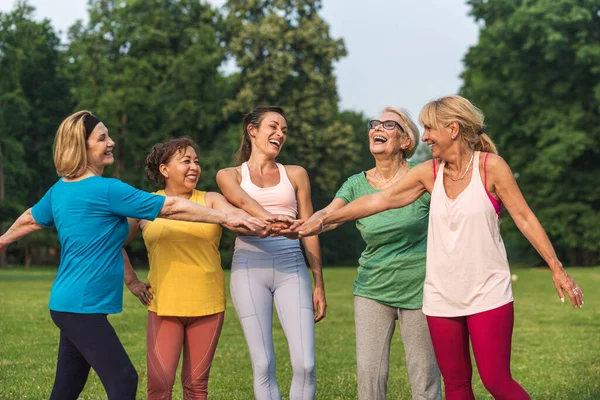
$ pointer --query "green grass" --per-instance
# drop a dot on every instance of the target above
(556, 349)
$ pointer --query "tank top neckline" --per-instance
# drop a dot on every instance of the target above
(474, 175)
(280, 168)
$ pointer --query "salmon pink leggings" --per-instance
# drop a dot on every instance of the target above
(491, 334)
(166, 336)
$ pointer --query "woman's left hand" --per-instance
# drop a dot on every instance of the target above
(141, 290)
(563, 282)
(319, 303)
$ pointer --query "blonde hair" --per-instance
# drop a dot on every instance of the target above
(448, 109)
(70, 150)
(410, 128)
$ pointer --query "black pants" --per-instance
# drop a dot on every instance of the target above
(89, 340)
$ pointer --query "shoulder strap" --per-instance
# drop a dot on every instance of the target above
(245, 172)
(485, 170)
(434, 170)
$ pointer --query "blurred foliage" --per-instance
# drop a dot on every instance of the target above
(154, 69)
(536, 74)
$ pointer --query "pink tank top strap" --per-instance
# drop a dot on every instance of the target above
(495, 202)
(283, 176)
(245, 174)
(434, 171)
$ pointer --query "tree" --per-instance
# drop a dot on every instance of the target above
(536, 73)
(285, 57)
(34, 98)
(149, 69)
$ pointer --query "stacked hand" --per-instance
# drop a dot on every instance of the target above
(311, 227)
(251, 223)
(281, 225)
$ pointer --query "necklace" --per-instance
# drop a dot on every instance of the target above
(465, 173)
(393, 176)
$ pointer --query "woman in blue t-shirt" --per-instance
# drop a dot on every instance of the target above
(90, 214)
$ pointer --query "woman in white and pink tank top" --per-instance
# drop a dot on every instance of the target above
(271, 270)
(467, 292)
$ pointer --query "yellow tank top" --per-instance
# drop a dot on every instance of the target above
(185, 265)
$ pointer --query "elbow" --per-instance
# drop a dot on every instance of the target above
(169, 207)
(30, 221)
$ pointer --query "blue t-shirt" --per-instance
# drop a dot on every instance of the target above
(91, 219)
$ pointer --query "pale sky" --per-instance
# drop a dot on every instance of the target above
(401, 53)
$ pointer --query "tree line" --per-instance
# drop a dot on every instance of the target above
(154, 69)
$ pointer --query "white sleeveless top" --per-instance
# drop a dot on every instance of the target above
(278, 199)
(467, 268)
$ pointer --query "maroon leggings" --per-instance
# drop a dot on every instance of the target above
(166, 336)
(491, 334)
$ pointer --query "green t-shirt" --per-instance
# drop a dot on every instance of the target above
(392, 266)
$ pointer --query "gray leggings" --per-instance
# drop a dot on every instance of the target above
(273, 271)
(375, 324)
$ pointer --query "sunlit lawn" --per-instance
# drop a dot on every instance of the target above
(556, 349)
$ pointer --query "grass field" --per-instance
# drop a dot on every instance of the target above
(556, 349)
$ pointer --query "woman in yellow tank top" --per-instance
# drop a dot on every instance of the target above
(187, 303)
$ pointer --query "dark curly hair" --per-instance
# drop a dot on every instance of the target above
(162, 153)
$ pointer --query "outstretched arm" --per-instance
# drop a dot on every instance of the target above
(505, 186)
(23, 226)
(318, 216)
(217, 201)
(185, 210)
(402, 193)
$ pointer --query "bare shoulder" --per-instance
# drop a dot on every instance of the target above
(298, 176)
(425, 168)
(211, 199)
(494, 164)
(296, 172)
(230, 173)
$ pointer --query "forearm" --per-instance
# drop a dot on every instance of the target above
(130, 275)
(313, 255)
(531, 228)
(318, 216)
(248, 205)
(185, 210)
(357, 209)
(23, 226)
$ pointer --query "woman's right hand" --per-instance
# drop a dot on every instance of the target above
(141, 290)
(310, 228)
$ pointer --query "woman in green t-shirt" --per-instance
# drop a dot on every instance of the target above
(391, 270)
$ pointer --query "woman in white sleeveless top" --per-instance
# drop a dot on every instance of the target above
(467, 292)
(271, 270)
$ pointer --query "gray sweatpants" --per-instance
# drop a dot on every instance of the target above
(269, 270)
(375, 324)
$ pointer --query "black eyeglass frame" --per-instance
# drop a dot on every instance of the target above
(374, 123)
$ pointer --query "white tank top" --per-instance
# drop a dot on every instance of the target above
(467, 268)
(278, 199)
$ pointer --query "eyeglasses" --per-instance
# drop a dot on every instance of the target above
(388, 125)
